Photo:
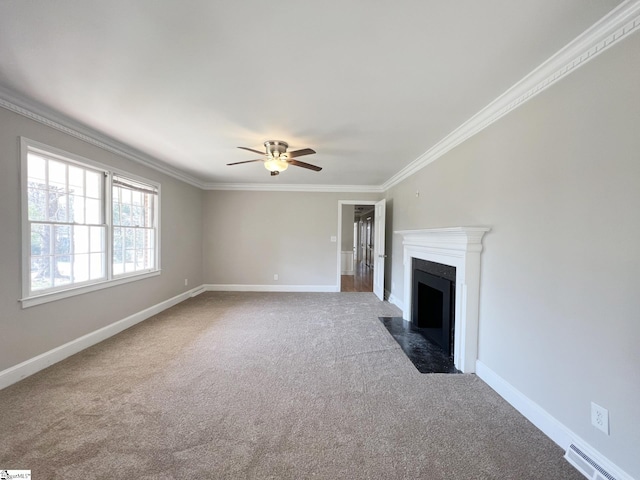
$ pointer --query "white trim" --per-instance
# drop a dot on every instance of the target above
(30, 109)
(459, 247)
(16, 373)
(394, 300)
(34, 300)
(267, 187)
(613, 27)
(532, 411)
(198, 290)
(270, 288)
(549, 425)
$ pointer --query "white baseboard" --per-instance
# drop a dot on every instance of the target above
(549, 425)
(16, 373)
(395, 300)
(270, 288)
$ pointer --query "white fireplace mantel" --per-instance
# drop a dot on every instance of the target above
(459, 247)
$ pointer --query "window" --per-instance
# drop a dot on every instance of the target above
(133, 225)
(85, 226)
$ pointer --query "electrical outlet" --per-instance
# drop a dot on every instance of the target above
(186, 282)
(275, 276)
(600, 417)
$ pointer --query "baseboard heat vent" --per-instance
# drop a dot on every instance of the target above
(586, 465)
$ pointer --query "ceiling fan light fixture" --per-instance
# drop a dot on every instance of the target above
(276, 164)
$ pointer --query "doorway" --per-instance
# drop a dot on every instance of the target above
(360, 247)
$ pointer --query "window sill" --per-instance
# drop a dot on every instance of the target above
(72, 292)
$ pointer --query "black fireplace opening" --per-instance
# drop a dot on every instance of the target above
(433, 302)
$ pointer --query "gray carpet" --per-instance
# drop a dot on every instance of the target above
(265, 385)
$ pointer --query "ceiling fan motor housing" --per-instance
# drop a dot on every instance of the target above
(275, 148)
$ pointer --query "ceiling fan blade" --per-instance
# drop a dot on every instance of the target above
(304, 165)
(299, 153)
(246, 161)
(252, 150)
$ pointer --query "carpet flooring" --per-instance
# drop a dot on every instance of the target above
(265, 386)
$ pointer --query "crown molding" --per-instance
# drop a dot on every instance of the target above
(267, 187)
(20, 105)
(613, 27)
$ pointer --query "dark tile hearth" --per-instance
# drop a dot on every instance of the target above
(424, 354)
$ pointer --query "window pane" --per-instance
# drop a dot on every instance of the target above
(126, 195)
(118, 268)
(81, 268)
(96, 266)
(93, 211)
(115, 211)
(57, 175)
(94, 184)
(76, 180)
(76, 204)
(125, 215)
(129, 260)
(62, 239)
(140, 239)
(37, 203)
(41, 273)
(97, 239)
(151, 248)
(150, 258)
(62, 209)
(148, 216)
(118, 245)
(136, 197)
(140, 260)
(52, 201)
(62, 270)
(80, 239)
(36, 167)
(129, 238)
(138, 217)
(40, 239)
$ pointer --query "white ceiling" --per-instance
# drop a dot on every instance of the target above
(370, 85)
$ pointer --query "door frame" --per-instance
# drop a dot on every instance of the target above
(339, 236)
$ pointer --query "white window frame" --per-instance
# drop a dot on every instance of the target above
(31, 299)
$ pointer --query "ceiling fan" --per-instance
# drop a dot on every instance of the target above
(277, 159)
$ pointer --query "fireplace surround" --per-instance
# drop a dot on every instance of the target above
(459, 247)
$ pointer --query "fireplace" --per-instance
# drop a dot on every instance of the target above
(457, 247)
(433, 302)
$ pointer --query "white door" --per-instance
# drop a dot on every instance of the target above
(379, 256)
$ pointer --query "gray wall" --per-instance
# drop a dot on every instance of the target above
(29, 332)
(348, 217)
(558, 180)
(250, 236)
